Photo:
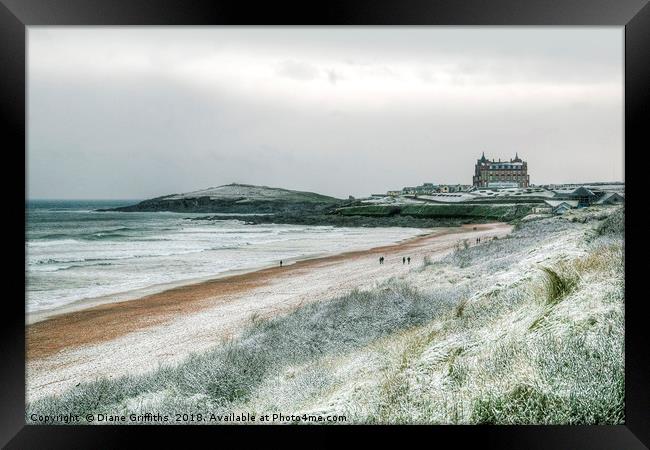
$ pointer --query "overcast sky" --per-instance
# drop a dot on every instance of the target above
(143, 112)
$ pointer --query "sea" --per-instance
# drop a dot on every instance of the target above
(76, 254)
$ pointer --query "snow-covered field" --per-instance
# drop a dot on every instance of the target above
(497, 350)
(526, 328)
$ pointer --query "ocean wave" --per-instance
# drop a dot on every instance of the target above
(104, 235)
(47, 261)
(228, 247)
(53, 236)
(153, 239)
(51, 268)
(73, 260)
(51, 243)
(36, 261)
(237, 231)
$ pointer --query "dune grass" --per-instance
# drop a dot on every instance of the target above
(558, 284)
(232, 371)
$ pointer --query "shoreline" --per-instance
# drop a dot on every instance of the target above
(139, 293)
(109, 321)
(136, 294)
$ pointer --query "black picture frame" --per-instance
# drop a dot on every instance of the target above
(634, 15)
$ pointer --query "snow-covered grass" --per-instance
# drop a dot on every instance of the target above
(231, 372)
(250, 192)
(525, 329)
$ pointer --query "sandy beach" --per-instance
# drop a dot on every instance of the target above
(134, 336)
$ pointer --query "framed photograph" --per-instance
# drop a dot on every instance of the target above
(354, 214)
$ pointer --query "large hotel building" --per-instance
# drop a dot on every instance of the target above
(501, 174)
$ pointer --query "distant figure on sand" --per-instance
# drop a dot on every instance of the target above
(409, 259)
(403, 260)
(381, 260)
(280, 263)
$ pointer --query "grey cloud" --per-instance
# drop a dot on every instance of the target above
(297, 70)
(137, 135)
(333, 76)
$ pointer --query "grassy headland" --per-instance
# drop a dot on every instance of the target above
(238, 198)
(474, 211)
(275, 205)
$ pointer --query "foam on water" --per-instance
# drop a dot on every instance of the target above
(74, 252)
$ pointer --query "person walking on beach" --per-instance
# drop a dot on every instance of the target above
(409, 260)
(403, 260)
(280, 263)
